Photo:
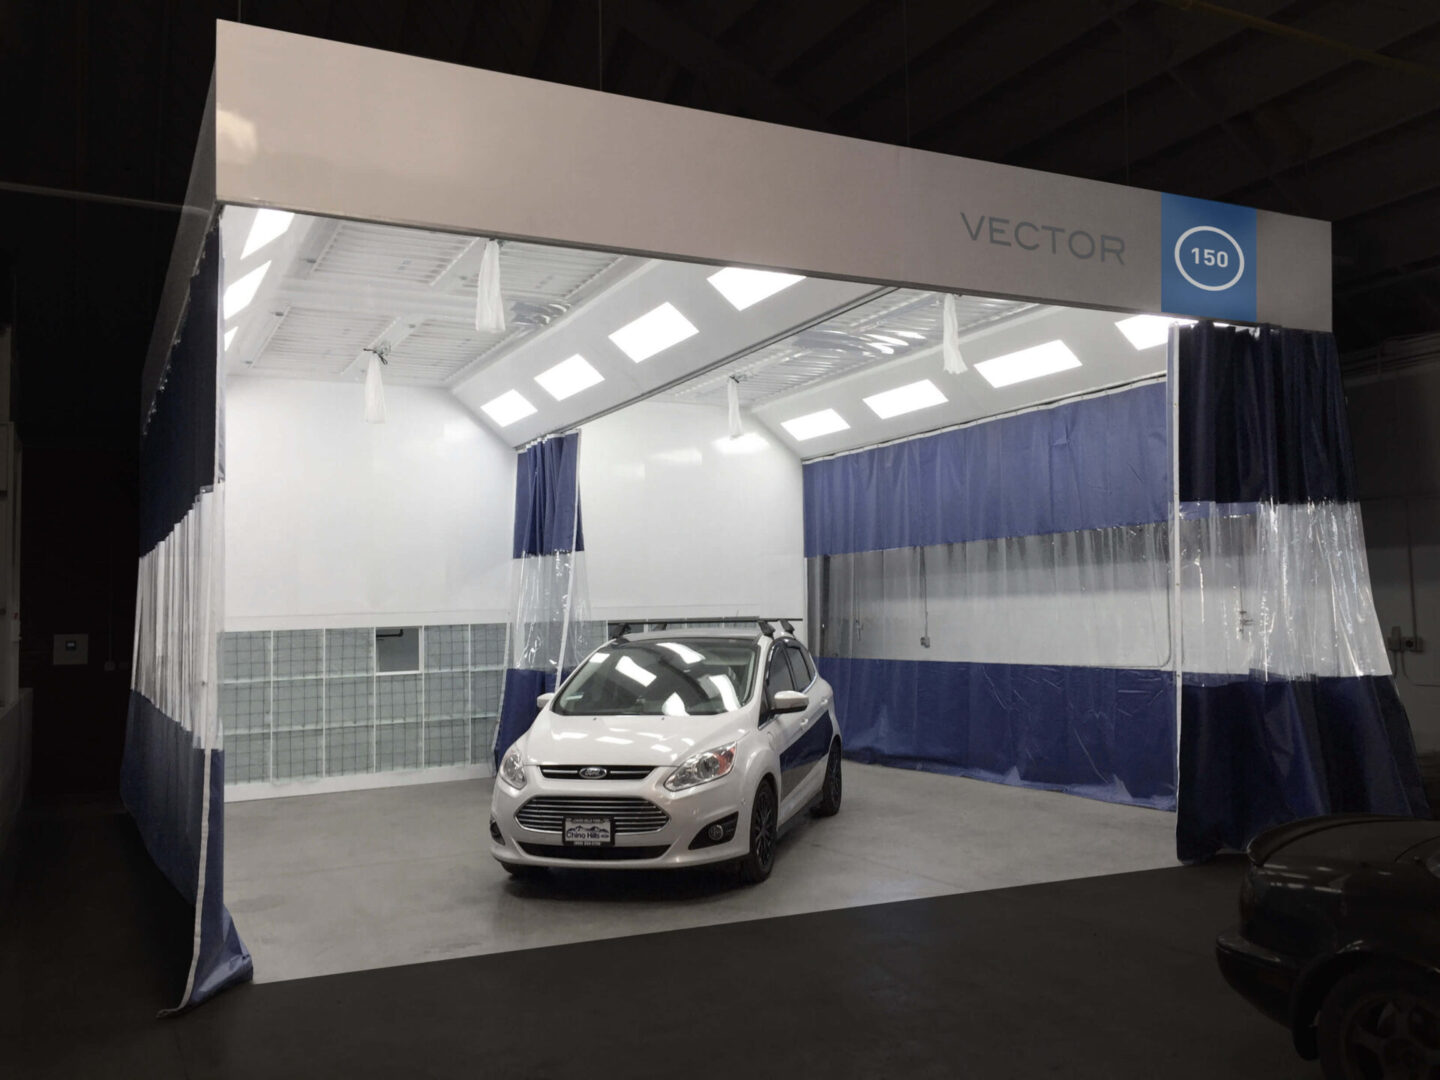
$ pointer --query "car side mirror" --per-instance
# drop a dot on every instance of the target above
(543, 700)
(783, 701)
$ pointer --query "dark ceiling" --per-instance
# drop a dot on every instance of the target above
(1328, 108)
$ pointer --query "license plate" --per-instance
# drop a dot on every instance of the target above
(589, 831)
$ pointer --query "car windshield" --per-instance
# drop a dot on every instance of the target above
(685, 677)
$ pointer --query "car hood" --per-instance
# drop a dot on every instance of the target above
(626, 740)
(1351, 838)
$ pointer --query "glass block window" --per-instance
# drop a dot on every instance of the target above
(299, 704)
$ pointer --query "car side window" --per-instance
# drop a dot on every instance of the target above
(798, 671)
(808, 662)
(778, 678)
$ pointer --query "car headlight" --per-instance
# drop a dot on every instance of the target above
(512, 768)
(703, 767)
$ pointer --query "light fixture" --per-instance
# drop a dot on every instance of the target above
(269, 225)
(746, 287)
(1029, 363)
(569, 377)
(230, 335)
(507, 408)
(653, 332)
(813, 425)
(904, 399)
(1147, 331)
(238, 294)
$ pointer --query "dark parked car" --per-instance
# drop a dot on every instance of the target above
(1339, 940)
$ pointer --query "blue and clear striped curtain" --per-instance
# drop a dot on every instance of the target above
(550, 629)
(173, 771)
(1288, 705)
(994, 601)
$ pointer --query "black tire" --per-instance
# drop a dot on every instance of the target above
(833, 788)
(1380, 1020)
(521, 872)
(755, 867)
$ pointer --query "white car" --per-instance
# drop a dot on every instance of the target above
(671, 748)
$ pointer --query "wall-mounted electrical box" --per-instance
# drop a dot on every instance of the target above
(71, 649)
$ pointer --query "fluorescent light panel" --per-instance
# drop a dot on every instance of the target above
(238, 294)
(1028, 364)
(904, 399)
(569, 377)
(813, 425)
(653, 332)
(269, 225)
(508, 408)
(1147, 331)
(746, 287)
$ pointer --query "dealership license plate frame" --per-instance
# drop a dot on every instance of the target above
(587, 821)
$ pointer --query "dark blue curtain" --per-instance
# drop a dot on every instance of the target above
(547, 513)
(1262, 420)
(1262, 417)
(1089, 464)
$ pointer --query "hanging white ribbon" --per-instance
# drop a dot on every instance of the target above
(374, 392)
(732, 398)
(950, 341)
(489, 303)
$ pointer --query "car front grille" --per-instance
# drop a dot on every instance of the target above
(547, 813)
(594, 854)
(612, 772)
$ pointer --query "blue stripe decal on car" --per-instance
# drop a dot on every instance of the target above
(800, 757)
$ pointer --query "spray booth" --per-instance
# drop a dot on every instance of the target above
(457, 372)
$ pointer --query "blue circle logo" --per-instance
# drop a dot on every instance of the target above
(1209, 258)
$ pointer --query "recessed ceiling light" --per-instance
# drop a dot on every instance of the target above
(268, 225)
(745, 287)
(1029, 363)
(569, 377)
(230, 335)
(507, 408)
(813, 425)
(239, 293)
(653, 332)
(1147, 331)
(903, 399)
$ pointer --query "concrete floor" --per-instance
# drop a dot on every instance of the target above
(325, 884)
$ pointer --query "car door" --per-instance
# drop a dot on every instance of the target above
(807, 736)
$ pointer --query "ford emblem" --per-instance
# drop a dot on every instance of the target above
(594, 772)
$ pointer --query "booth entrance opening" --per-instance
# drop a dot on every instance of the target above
(374, 604)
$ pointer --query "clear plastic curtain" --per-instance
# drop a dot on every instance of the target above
(1287, 705)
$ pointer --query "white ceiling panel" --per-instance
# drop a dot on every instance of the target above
(898, 323)
(1106, 359)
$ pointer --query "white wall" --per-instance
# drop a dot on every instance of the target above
(681, 521)
(331, 521)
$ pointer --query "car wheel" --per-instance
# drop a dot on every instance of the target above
(1380, 1021)
(830, 792)
(755, 867)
